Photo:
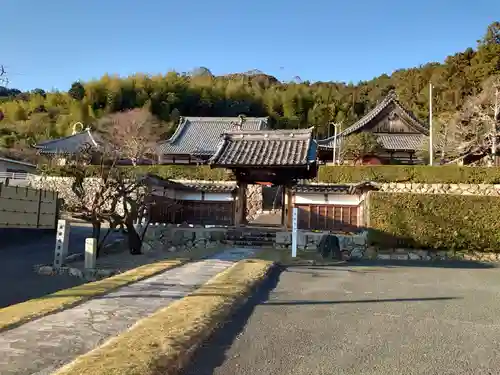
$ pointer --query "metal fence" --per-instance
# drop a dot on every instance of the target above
(23, 207)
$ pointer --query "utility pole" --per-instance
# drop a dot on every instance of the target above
(431, 136)
(335, 143)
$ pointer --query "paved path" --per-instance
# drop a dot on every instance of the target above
(364, 321)
(41, 346)
(19, 257)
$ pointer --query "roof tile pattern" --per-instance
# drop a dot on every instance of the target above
(390, 141)
(266, 148)
(70, 144)
(334, 188)
(200, 136)
(389, 101)
(403, 142)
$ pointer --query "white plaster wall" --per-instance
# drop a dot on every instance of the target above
(334, 199)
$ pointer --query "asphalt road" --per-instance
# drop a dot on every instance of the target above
(370, 320)
(20, 251)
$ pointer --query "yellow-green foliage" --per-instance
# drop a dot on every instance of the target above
(172, 172)
(417, 174)
(434, 221)
(289, 104)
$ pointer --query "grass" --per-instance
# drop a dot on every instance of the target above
(164, 342)
(15, 315)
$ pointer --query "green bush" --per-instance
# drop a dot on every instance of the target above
(404, 173)
(434, 221)
(173, 172)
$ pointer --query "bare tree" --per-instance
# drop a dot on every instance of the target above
(3, 75)
(109, 192)
(476, 126)
(132, 133)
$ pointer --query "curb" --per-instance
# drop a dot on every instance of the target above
(235, 306)
(166, 355)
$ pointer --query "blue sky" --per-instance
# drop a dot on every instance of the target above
(49, 44)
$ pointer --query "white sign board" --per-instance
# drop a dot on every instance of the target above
(295, 214)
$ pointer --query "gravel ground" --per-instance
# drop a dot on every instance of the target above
(409, 319)
(21, 250)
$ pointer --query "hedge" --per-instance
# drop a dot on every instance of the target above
(402, 173)
(173, 172)
(337, 174)
(434, 221)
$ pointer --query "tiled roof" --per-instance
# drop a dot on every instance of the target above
(203, 186)
(266, 148)
(13, 161)
(210, 187)
(332, 188)
(402, 142)
(200, 136)
(390, 99)
(323, 188)
(389, 141)
(70, 144)
(328, 143)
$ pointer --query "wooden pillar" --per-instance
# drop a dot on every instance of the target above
(242, 204)
(289, 205)
(283, 205)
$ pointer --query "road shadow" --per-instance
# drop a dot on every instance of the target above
(212, 353)
(340, 302)
(19, 236)
(459, 264)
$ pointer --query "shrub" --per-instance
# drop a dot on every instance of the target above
(434, 221)
(404, 173)
(173, 172)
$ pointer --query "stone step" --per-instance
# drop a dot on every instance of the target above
(253, 243)
(248, 238)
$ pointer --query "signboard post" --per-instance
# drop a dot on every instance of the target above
(62, 238)
(294, 231)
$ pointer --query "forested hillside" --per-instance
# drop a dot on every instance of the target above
(31, 116)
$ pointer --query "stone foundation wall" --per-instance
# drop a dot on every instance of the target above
(355, 247)
(254, 201)
(175, 238)
(457, 189)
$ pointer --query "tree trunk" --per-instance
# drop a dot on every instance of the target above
(134, 240)
(96, 233)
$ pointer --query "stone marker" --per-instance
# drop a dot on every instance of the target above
(62, 238)
(90, 253)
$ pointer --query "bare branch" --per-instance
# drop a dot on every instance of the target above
(116, 195)
(476, 126)
(4, 80)
(132, 134)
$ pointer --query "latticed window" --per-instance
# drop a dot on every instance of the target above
(328, 217)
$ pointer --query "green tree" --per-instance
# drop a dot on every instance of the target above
(77, 91)
(359, 145)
